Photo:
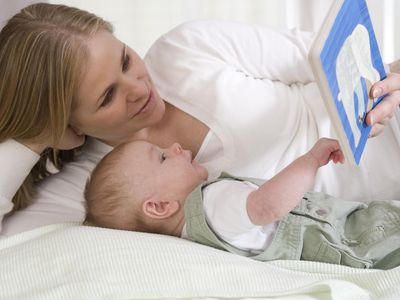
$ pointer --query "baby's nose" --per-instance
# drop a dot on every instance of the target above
(177, 148)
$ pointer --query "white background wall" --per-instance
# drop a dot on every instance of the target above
(9, 8)
(140, 22)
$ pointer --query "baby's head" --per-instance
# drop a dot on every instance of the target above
(139, 186)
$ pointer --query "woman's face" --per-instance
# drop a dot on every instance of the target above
(116, 97)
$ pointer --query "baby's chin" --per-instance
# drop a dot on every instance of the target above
(204, 175)
(202, 171)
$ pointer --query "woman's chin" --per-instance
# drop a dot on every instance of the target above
(157, 114)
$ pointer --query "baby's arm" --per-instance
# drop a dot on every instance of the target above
(279, 195)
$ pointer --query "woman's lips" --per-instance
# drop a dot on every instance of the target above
(147, 106)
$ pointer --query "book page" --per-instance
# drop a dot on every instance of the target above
(350, 63)
(355, 74)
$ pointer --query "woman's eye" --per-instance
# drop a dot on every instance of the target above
(108, 98)
(163, 157)
(125, 64)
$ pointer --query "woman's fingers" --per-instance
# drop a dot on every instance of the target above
(376, 129)
(395, 66)
(384, 110)
(390, 84)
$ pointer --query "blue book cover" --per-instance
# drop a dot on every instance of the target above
(346, 62)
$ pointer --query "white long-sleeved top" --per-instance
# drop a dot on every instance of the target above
(253, 87)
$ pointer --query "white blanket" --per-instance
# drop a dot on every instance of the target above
(68, 261)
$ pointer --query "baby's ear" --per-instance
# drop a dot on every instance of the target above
(160, 209)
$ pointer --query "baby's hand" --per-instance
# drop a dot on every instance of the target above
(326, 150)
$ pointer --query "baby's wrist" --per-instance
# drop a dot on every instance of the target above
(312, 160)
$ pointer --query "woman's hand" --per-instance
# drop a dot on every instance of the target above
(395, 66)
(390, 86)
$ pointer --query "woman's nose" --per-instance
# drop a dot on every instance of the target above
(136, 89)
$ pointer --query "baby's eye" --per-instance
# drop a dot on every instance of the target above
(163, 157)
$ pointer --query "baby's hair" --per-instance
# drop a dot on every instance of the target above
(108, 198)
(105, 192)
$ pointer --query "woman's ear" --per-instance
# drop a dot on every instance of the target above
(159, 209)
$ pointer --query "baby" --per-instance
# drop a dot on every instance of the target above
(141, 187)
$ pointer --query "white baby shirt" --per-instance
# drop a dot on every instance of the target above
(225, 208)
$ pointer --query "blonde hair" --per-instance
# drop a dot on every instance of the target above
(110, 201)
(42, 59)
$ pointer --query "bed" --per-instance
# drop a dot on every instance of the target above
(70, 261)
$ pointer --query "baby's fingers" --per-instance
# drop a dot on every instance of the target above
(337, 156)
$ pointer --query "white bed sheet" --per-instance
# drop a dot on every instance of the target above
(68, 261)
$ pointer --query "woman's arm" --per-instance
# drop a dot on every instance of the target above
(279, 195)
(257, 51)
(16, 161)
(59, 197)
(231, 77)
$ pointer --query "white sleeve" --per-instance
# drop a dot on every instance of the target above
(16, 162)
(225, 208)
(59, 197)
(226, 212)
(257, 51)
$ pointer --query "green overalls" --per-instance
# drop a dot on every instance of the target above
(320, 228)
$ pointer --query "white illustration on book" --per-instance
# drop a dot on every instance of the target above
(354, 65)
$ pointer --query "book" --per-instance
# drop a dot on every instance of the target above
(346, 61)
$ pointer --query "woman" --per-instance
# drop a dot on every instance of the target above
(240, 97)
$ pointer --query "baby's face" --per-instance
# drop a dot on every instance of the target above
(171, 172)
